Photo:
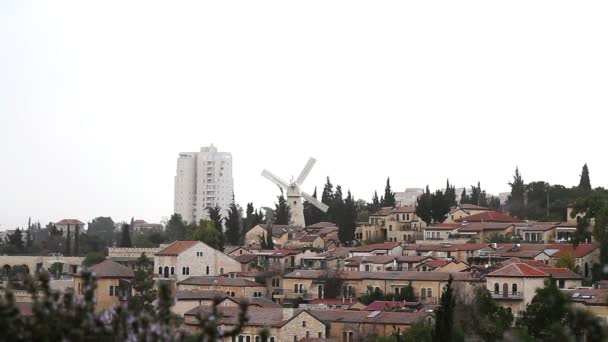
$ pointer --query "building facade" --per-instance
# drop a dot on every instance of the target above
(202, 180)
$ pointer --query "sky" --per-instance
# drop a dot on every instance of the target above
(98, 98)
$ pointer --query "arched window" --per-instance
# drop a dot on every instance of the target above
(496, 288)
(172, 270)
(166, 275)
(160, 270)
(505, 289)
(514, 288)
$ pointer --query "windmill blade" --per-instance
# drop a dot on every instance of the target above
(306, 170)
(276, 180)
(322, 206)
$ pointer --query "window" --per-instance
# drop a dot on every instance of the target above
(172, 270)
(207, 270)
(258, 339)
(366, 268)
(183, 270)
(295, 288)
(295, 338)
(429, 292)
(304, 324)
(320, 334)
(496, 288)
(307, 334)
(111, 290)
(562, 283)
(271, 339)
(423, 293)
(221, 270)
(514, 288)
(241, 339)
(248, 338)
(160, 270)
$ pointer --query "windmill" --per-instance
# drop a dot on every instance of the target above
(294, 195)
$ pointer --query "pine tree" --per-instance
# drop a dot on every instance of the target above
(68, 242)
(327, 197)
(516, 201)
(346, 232)
(125, 235)
(16, 239)
(450, 194)
(388, 200)
(375, 205)
(585, 183)
(338, 207)
(440, 206)
(444, 317)
(77, 240)
(424, 206)
(249, 218)
(312, 214)
(176, 228)
(215, 215)
(464, 198)
(282, 211)
(233, 225)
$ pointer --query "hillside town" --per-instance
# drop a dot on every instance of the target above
(424, 268)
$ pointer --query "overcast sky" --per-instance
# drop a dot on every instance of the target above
(97, 98)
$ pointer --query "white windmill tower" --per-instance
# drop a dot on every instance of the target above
(294, 195)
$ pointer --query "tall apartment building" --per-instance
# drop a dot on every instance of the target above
(203, 179)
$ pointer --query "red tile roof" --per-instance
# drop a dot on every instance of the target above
(443, 226)
(560, 273)
(468, 206)
(219, 281)
(369, 317)
(111, 269)
(489, 216)
(375, 246)
(435, 263)
(566, 248)
(246, 258)
(381, 305)
(518, 270)
(176, 248)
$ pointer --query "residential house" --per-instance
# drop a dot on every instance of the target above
(371, 263)
(592, 300)
(386, 248)
(282, 324)
(184, 259)
(232, 286)
(71, 225)
(139, 226)
(113, 284)
(409, 262)
(399, 224)
(462, 211)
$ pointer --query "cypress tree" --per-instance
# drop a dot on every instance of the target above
(77, 240)
(68, 247)
(338, 207)
(516, 201)
(444, 321)
(375, 205)
(327, 197)
(346, 232)
(312, 214)
(424, 206)
(388, 200)
(215, 215)
(125, 235)
(585, 183)
(282, 211)
(233, 225)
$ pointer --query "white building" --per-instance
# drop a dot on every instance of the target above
(203, 179)
(408, 197)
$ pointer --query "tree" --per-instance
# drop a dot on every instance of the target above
(338, 207)
(215, 215)
(497, 238)
(143, 284)
(450, 194)
(68, 241)
(566, 260)
(266, 241)
(424, 206)
(484, 318)
(56, 269)
(16, 240)
(440, 206)
(176, 228)
(233, 225)
(327, 197)
(346, 232)
(516, 200)
(444, 321)
(371, 295)
(93, 258)
(101, 230)
(375, 205)
(464, 198)
(77, 240)
(282, 211)
(585, 183)
(125, 235)
(249, 217)
(312, 214)
(389, 195)
(206, 232)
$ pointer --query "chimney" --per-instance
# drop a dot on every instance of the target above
(287, 313)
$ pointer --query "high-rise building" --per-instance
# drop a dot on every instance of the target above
(203, 179)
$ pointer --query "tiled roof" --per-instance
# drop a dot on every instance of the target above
(489, 216)
(375, 246)
(595, 297)
(482, 226)
(375, 259)
(333, 301)
(533, 263)
(111, 269)
(518, 270)
(369, 317)
(537, 226)
(260, 302)
(380, 305)
(246, 258)
(578, 252)
(412, 258)
(322, 225)
(454, 247)
(176, 247)
(383, 212)
(70, 222)
(560, 273)
(405, 209)
(257, 316)
(309, 238)
(435, 263)
(468, 206)
(219, 281)
(384, 275)
(338, 252)
(443, 226)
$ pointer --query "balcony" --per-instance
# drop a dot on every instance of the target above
(508, 296)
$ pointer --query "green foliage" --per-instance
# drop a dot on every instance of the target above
(68, 242)
(216, 216)
(388, 200)
(312, 214)
(516, 200)
(176, 228)
(585, 183)
(498, 238)
(444, 317)
(233, 225)
(327, 197)
(16, 240)
(371, 295)
(125, 235)
(143, 285)
(346, 231)
(266, 241)
(93, 258)
(484, 318)
(56, 269)
(100, 234)
(282, 212)
(424, 206)
(440, 206)
(549, 317)
(206, 232)
(375, 205)
(566, 260)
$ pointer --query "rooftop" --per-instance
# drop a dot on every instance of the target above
(176, 248)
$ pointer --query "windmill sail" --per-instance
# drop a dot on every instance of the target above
(322, 206)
